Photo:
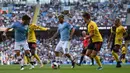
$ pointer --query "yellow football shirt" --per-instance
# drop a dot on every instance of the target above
(124, 50)
(119, 34)
(92, 26)
(31, 32)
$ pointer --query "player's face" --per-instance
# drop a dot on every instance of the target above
(84, 34)
(117, 23)
(61, 20)
(26, 22)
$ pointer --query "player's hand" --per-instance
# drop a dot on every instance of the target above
(87, 37)
(48, 28)
(4, 34)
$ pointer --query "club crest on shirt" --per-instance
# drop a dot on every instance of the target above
(91, 27)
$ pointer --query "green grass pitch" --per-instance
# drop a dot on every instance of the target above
(65, 69)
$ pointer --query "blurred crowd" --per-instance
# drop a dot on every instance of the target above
(103, 13)
(45, 49)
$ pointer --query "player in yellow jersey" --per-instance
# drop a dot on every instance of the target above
(123, 51)
(120, 34)
(32, 40)
(96, 39)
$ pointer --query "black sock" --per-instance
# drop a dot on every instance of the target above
(32, 63)
(92, 61)
(81, 59)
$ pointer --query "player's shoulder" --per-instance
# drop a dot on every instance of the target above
(32, 25)
(121, 27)
(66, 23)
(92, 22)
(17, 23)
(92, 25)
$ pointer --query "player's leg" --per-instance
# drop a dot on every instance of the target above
(32, 47)
(38, 59)
(25, 60)
(92, 61)
(17, 51)
(89, 50)
(97, 59)
(57, 52)
(94, 54)
(28, 53)
(66, 47)
(88, 53)
(122, 58)
(82, 56)
(115, 54)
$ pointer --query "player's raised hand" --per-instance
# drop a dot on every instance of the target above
(4, 34)
(48, 28)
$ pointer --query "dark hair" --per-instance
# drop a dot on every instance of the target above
(86, 15)
(26, 17)
(61, 16)
(117, 19)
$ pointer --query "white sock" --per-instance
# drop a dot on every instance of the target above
(22, 62)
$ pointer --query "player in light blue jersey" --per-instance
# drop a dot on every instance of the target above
(21, 30)
(66, 32)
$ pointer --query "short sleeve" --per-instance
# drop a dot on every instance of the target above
(69, 26)
(123, 30)
(12, 26)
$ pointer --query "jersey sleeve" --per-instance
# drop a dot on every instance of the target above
(76, 27)
(69, 26)
(123, 30)
(12, 26)
(37, 27)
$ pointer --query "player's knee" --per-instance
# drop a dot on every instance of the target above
(87, 54)
(56, 53)
(18, 53)
(93, 55)
(27, 53)
(32, 52)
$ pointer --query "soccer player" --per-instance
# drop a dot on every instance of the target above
(21, 30)
(96, 39)
(66, 32)
(32, 40)
(123, 51)
(85, 45)
(120, 35)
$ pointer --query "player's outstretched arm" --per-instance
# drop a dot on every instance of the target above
(54, 36)
(38, 27)
(4, 33)
(72, 33)
(125, 34)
